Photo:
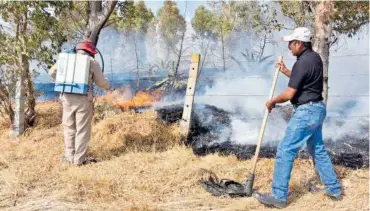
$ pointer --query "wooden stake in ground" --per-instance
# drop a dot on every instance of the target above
(190, 91)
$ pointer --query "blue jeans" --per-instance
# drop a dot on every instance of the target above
(305, 126)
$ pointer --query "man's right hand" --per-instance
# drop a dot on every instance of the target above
(283, 68)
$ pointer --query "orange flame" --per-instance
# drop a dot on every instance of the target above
(140, 100)
(122, 99)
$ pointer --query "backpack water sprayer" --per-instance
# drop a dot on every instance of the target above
(74, 69)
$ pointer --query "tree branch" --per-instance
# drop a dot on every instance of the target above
(109, 8)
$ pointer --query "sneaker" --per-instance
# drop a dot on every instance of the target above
(270, 200)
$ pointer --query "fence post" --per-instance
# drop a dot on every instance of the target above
(185, 121)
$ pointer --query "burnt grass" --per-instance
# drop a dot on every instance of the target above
(208, 122)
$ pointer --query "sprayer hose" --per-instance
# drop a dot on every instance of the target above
(101, 56)
(102, 60)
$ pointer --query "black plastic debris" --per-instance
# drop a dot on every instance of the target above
(224, 187)
(221, 187)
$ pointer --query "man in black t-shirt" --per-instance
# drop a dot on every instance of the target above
(305, 93)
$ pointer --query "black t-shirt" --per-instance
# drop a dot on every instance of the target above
(307, 78)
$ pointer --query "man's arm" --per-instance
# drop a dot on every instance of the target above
(286, 72)
(288, 94)
(297, 77)
(98, 76)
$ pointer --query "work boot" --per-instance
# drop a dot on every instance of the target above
(88, 160)
(270, 200)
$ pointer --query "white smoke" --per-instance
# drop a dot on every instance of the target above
(246, 95)
(243, 88)
(347, 117)
(246, 92)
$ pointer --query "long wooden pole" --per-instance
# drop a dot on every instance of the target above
(250, 180)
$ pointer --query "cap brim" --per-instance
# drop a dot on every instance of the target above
(287, 38)
(94, 51)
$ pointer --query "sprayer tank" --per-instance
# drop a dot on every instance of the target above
(73, 73)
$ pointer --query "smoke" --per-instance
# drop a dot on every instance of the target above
(244, 92)
(119, 50)
(244, 87)
(244, 95)
(347, 118)
(128, 52)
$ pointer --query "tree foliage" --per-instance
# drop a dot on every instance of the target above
(171, 24)
(227, 21)
(134, 17)
(30, 31)
(33, 28)
(204, 22)
(347, 17)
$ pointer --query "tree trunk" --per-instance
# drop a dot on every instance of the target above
(176, 69)
(321, 42)
(174, 81)
(30, 113)
(137, 64)
(98, 15)
(205, 52)
(18, 122)
(223, 50)
(23, 65)
(262, 48)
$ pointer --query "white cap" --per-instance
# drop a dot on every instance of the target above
(302, 34)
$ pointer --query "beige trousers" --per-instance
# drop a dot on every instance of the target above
(77, 116)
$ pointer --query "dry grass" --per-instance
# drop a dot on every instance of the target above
(132, 132)
(142, 167)
(49, 115)
(102, 110)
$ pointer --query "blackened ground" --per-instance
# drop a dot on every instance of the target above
(211, 124)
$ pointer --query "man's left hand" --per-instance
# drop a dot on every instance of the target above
(270, 105)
